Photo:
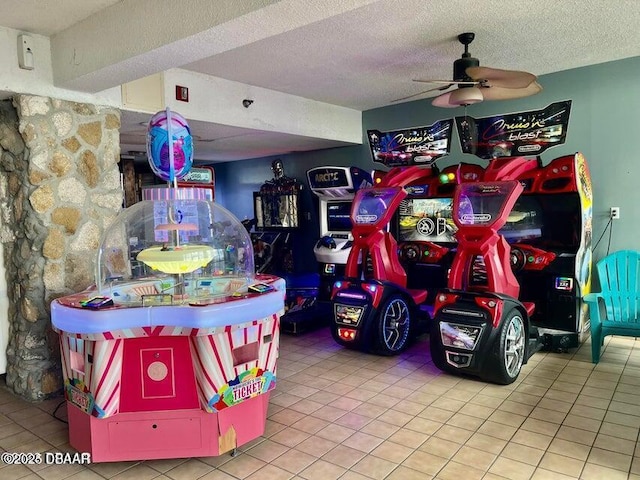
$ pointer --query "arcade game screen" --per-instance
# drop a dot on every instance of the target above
(547, 221)
(524, 221)
(426, 219)
(339, 216)
(278, 211)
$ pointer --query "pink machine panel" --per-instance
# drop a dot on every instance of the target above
(169, 381)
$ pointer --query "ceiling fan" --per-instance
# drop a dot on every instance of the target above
(475, 83)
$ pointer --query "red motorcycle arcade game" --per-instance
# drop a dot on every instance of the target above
(424, 228)
(373, 307)
(524, 250)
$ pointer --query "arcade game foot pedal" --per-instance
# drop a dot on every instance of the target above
(304, 313)
(304, 317)
(535, 342)
(559, 341)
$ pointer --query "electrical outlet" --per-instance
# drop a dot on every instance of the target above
(615, 213)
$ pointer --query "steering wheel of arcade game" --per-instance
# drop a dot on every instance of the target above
(328, 242)
(410, 253)
(518, 259)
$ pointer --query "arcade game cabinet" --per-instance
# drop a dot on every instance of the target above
(178, 360)
(277, 214)
(335, 188)
(277, 222)
(486, 324)
(550, 236)
(550, 227)
(200, 177)
(199, 180)
(480, 326)
(425, 229)
(374, 308)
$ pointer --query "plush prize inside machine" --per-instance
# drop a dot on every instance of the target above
(173, 352)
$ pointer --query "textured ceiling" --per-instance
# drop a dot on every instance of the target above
(367, 57)
(47, 17)
(366, 54)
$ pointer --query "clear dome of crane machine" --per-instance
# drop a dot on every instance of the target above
(180, 248)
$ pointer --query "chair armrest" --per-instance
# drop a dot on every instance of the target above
(591, 299)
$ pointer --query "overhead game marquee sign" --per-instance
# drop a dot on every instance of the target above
(412, 146)
(202, 175)
(514, 134)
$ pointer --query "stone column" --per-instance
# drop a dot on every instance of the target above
(60, 188)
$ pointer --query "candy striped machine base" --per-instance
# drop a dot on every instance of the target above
(173, 353)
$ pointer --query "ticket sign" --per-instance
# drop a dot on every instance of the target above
(80, 399)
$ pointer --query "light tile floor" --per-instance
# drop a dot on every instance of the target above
(340, 414)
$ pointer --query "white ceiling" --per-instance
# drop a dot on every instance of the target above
(47, 17)
(360, 54)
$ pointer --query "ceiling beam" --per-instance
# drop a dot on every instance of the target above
(136, 38)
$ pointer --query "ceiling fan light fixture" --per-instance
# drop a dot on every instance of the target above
(466, 96)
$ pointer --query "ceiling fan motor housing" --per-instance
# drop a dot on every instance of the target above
(460, 67)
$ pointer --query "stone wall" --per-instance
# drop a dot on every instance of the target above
(59, 189)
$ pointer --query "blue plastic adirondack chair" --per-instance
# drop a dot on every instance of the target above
(619, 279)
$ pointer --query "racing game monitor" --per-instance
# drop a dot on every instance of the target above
(546, 221)
(524, 221)
(426, 219)
(339, 216)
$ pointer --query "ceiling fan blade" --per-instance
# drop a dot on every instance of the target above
(448, 83)
(501, 78)
(409, 96)
(421, 93)
(500, 93)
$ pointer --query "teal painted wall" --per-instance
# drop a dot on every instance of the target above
(604, 126)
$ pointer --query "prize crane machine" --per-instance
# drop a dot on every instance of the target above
(177, 361)
(199, 179)
(140, 183)
(335, 188)
(203, 178)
